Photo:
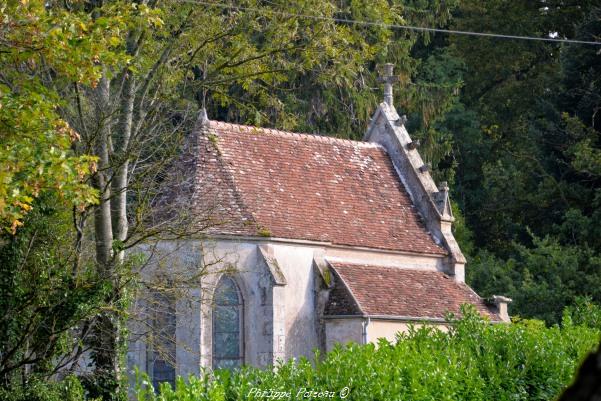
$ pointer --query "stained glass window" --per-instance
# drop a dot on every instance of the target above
(227, 325)
(162, 340)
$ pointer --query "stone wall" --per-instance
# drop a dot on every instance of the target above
(388, 329)
(344, 331)
(280, 284)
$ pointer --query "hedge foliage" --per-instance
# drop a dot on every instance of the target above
(38, 389)
(474, 360)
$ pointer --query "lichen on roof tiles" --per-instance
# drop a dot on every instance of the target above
(308, 187)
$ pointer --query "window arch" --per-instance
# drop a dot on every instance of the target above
(228, 333)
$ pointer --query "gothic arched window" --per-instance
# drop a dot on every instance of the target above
(227, 325)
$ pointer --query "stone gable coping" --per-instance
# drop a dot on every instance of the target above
(387, 128)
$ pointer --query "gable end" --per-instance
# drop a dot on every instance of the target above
(388, 129)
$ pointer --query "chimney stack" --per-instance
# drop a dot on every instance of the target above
(501, 303)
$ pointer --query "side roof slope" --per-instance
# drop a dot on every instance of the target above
(364, 290)
(256, 181)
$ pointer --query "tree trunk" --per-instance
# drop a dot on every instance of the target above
(105, 337)
(119, 183)
(102, 214)
(111, 225)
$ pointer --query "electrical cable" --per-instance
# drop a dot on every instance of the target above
(394, 26)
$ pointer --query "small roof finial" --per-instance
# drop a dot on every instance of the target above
(444, 202)
(203, 119)
(388, 79)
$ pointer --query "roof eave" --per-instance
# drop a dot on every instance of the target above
(326, 244)
(398, 318)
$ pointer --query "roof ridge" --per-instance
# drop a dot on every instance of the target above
(412, 269)
(224, 126)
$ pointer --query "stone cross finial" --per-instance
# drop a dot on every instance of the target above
(388, 79)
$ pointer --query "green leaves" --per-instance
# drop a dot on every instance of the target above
(474, 360)
(263, 66)
(527, 146)
(41, 45)
(35, 155)
(46, 299)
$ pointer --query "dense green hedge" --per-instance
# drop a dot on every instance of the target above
(38, 389)
(473, 361)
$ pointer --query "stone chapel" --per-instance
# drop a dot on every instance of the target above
(312, 241)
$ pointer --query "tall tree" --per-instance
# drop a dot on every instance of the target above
(45, 295)
(35, 142)
(527, 153)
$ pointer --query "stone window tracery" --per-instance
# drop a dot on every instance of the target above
(228, 338)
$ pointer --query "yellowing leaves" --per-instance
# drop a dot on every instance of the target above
(24, 206)
(114, 41)
(14, 225)
(35, 143)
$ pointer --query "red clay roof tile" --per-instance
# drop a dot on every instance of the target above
(257, 181)
(392, 291)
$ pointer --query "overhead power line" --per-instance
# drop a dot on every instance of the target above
(393, 26)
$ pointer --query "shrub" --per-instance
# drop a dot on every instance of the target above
(474, 360)
(38, 389)
(584, 312)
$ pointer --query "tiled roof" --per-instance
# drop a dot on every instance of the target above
(258, 181)
(392, 291)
